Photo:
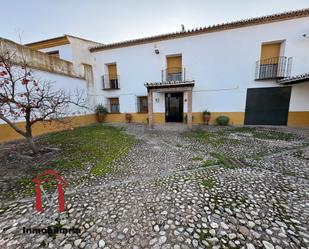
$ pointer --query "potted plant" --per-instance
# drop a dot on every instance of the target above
(223, 120)
(128, 117)
(101, 112)
(206, 116)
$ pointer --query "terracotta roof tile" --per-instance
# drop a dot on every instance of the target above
(169, 83)
(294, 79)
(214, 28)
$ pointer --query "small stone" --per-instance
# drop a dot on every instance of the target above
(232, 235)
(77, 242)
(212, 232)
(152, 241)
(213, 240)
(121, 236)
(224, 226)
(250, 246)
(195, 243)
(244, 231)
(67, 246)
(267, 245)
(156, 228)
(101, 243)
(232, 244)
(251, 224)
(162, 240)
(214, 225)
(269, 232)
(132, 232)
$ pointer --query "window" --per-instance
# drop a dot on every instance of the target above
(112, 81)
(270, 50)
(270, 59)
(114, 105)
(142, 104)
(53, 53)
(174, 68)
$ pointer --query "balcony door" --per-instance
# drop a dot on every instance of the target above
(174, 107)
(270, 58)
(112, 76)
(174, 68)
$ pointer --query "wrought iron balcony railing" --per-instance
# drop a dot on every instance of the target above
(110, 82)
(273, 68)
(174, 74)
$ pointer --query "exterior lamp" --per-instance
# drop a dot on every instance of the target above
(156, 50)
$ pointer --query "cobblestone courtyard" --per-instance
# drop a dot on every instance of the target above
(209, 188)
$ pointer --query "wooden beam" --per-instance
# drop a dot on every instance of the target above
(172, 89)
(189, 113)
(150, 108)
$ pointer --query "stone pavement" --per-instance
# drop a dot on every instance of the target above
(163, 197)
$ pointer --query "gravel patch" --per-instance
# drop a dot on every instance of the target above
(163, 196)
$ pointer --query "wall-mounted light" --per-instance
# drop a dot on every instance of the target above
(157, 100)
(156, 50)
(305, 36)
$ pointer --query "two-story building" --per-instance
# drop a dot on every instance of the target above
(254, 71)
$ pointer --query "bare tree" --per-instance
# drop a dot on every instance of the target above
(25, 96)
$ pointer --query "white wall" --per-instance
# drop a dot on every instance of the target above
(80, 50)
(65, 51)
(300, 97)
(222, 64)
(69, 84)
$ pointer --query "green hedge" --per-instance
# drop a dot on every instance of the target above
(222, 120)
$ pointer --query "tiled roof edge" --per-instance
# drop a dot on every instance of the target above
(214, 28)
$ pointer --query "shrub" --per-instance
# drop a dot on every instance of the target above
(100, 109)
(222, 120)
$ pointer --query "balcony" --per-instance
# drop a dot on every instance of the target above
(110, 82)
(174, 74)
(273, 68)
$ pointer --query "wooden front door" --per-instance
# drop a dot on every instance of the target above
(174, 107)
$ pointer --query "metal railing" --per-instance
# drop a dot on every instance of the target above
(174, 74)
(110, 82)
(273, 68)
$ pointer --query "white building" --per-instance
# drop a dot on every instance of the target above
(241, 69)
(253, 71)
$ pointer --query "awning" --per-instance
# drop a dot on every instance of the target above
(169, 84)
(294, 79)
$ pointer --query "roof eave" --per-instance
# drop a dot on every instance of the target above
(215, 28)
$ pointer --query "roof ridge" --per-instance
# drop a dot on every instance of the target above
(211, 28)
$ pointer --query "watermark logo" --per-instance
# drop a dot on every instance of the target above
(52, 179)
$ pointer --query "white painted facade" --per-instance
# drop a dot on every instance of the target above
(221, 63)
(65, 51)
(69, 84)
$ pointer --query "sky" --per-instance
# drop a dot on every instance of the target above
(108, 21)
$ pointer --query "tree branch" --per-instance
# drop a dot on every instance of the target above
(12, 125)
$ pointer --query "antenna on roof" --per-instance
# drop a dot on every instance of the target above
(183, 28)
